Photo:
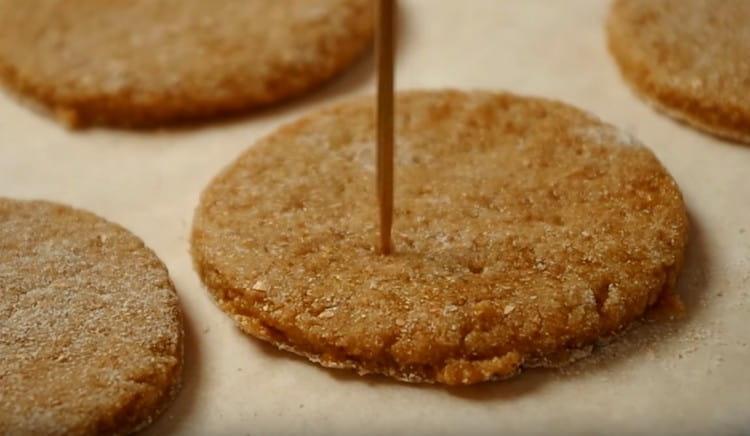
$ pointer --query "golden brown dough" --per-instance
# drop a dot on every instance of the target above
(525, 230)
(152, 62)
(690, 58)
(90, 326)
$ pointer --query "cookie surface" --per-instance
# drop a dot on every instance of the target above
(90, 327)
(524, 231)
(690, 58)
(151, 62)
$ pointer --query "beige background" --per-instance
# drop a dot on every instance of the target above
(683, 378)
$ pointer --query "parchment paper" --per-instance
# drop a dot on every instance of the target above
(682, 378)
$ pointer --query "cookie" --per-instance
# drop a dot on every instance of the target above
(525, 230)
(689, 58)
(90, 327)
(154, 62)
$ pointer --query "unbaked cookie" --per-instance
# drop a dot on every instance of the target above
(151, 62)
(90, 327)
(690, 58)
(525, 230)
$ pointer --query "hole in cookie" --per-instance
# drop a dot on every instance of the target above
(601, 294)
(475, 267)
(556, 220)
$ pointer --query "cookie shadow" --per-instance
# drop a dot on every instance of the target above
(187, 400)
(694, 282)
(512, 388)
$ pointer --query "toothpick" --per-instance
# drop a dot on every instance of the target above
(384, 46)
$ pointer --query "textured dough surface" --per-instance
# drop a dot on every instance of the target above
(524, 230)
(151, 62)
(90, 327)
(690, 58)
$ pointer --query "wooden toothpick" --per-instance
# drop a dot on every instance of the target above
(384, 47)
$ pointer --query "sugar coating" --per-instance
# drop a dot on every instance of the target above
(691, 58)
(150, 62)
(90, 327)
(524, 231)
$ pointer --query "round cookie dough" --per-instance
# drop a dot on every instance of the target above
(525, 230)
(152, 62)
(90, 327)
(690, 58)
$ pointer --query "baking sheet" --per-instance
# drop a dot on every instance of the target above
(689, 377)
